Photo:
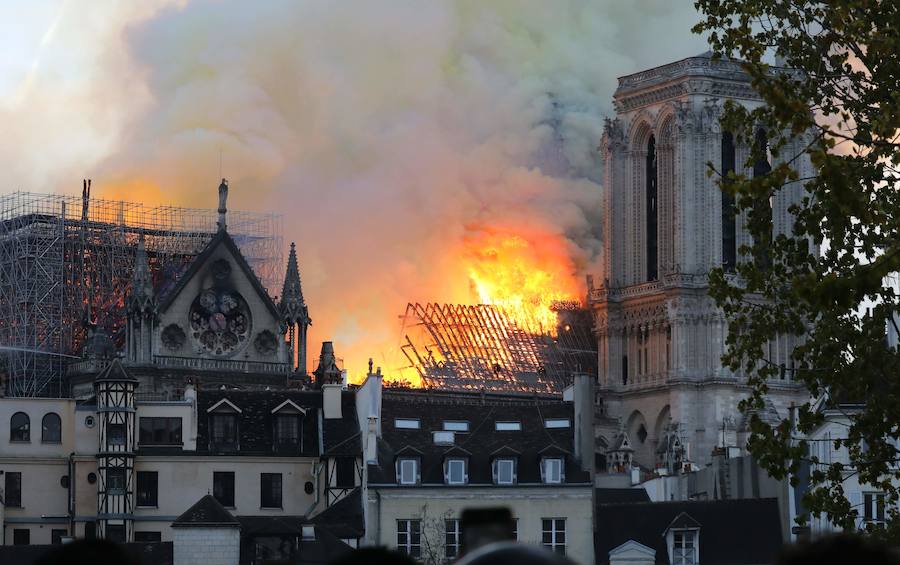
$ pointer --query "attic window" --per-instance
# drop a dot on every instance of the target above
(508, 426)
(552, 423)
(684, 547)
(456, 426)
(443, 438)
(406, 423)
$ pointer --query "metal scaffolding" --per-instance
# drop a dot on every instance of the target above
(470, 347)
(66, 261)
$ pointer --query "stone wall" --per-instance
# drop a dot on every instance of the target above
(206, 545)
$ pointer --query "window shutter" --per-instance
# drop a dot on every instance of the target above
(562, 470)
(515, 471)
(466, 471)
(495, 469)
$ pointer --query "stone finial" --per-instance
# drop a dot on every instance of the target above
(223, 209)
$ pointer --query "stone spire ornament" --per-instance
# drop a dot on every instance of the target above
(142, 309)
(142, 298)
(294, 312)
(223, 209)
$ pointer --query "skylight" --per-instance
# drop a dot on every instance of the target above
(443, 437)
(509, 426)
(456, 426)
(406, 423)
(551, 423)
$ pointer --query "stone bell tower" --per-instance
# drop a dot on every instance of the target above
(667, 224)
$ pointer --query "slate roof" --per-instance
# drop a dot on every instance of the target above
(344, 518)
(733, 532)
(326, 548)
(615, 495)
(342, 436)
(482, 443)
(256, 423)
(271, 525)
(115, 372)
(206, 512)
(141, 553)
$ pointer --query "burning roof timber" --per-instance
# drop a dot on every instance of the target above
(470, 347)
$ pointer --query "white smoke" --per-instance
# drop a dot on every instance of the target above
(386, 132)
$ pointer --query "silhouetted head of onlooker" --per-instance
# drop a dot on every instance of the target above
(512, 553)
(838, 549)
(482, 526)
(81, 551)
(375, 556)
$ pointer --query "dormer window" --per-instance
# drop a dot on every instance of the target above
(684, 547)
(287, 430)
(408, 471)
(552, 470)
(456, 471)
(223, 426)
(505, 471)
(223, 431)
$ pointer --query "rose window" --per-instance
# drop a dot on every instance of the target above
(220, 321)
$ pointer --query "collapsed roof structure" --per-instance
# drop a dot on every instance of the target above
(481, 346)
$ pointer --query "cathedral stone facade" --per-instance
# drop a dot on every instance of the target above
(667, 224)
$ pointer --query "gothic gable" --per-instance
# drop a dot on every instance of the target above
(219, 311)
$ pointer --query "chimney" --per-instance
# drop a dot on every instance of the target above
(331, 401)
(583, 398)
(368, 411)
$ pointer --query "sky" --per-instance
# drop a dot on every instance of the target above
(418, 151)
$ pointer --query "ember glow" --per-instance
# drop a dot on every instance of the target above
(523, 277)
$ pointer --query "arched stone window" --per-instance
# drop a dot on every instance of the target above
(761, 167)
(20, 427)
(729, 225)
(51, 428)
(652, 204)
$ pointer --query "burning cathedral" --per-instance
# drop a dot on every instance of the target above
(666, 398)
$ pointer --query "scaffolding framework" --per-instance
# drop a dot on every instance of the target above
(473, 347)
(68, 260)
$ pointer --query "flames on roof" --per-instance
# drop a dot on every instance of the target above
(470, 347)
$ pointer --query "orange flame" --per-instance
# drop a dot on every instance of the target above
(523, 276)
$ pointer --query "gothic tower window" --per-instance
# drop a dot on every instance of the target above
(729, 226)
(652, 212)
(761, 167)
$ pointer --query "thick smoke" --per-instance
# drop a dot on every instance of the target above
(395, 137)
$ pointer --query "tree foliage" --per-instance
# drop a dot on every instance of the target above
(834, 99)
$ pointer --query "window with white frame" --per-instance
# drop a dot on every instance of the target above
(552, 470)
(684, 548)
(455, 472)
(451, 538)
(505, 471)
(408, 470)
(553, 534)
(406, 423)
(873, 508)
(409, 537)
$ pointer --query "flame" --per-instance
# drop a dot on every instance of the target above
(523, 275)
